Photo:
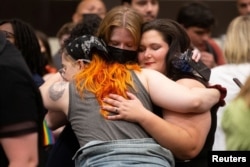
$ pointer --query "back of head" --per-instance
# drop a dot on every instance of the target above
(85, 46)
(64, 32)
(27, 42)
(83, 31)
(65, 29)
(121, 16)
(196, 14)
(100, 76)
(237, 43)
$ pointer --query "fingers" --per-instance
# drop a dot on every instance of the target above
(114, 117)
(131, 96)
(110, 109)
(196, 55)
(120, 98)
(111, 101)
(116, 97)
(114, 113)
(116, 110)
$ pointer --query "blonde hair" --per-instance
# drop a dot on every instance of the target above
(245, 92)
(237, 44)
(121, 16)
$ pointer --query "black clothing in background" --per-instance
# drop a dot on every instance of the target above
(20, 99)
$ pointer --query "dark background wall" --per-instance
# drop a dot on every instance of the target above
(50, 15)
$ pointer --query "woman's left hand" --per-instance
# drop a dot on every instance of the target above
(124, 109)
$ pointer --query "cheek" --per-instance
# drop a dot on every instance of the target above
(194, 38)
(140, 9)
(191, 34)
(160, 66)
(156, 9)
(68, 76)
(140, 57)
(160, 55)
(69, 73)
(161, 60)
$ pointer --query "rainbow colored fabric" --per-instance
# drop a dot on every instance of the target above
(48, 135)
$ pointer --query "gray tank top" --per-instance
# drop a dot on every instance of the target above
(89, 125)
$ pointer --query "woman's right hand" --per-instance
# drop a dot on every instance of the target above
(124, 109)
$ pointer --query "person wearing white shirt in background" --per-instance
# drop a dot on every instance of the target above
(237, 53)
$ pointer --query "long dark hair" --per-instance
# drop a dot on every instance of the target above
(174, 35)
(27, 42)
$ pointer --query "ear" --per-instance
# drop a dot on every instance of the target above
(81, 65)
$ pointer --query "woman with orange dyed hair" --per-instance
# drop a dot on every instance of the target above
(114, 70)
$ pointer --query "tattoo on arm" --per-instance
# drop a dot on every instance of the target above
(56, 90)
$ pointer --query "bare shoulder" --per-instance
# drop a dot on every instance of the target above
(149, 73)
(142, 77)
(57, 89)
(56, 96)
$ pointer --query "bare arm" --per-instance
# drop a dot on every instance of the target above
(170, 95)
(56, 99)
(183, 134)
(55, 119)
(21, 151)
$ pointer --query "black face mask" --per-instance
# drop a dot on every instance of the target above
(122, 56)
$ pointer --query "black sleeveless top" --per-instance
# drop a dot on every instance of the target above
(21, 106)
(201, 160)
